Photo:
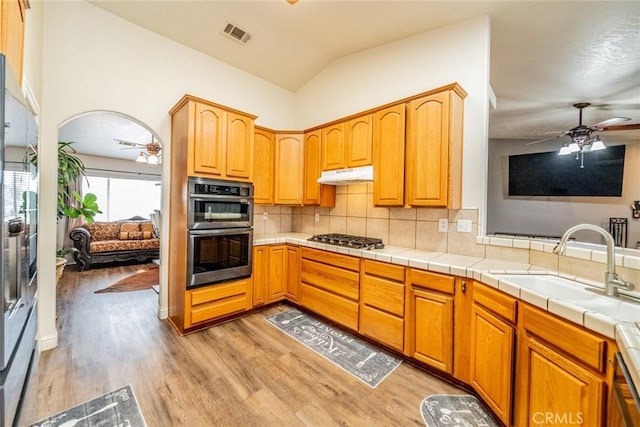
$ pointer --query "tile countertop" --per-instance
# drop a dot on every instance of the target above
(627, 335)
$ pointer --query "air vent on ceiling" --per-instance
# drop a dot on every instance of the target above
(236, 33)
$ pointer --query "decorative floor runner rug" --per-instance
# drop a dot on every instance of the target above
(118, 408)
(440, 410)
(365, 362)
(141, 280)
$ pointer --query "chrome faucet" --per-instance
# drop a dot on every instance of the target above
(612, 282)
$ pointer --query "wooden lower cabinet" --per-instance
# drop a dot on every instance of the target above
(430, 318)
(554, 390)
(292, 271)
(260, 274)
(277, 273)
(561, 372)
(382, 303)
(330, 285)
(492, 351)
(216, 301)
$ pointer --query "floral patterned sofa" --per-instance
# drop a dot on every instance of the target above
(125, 240)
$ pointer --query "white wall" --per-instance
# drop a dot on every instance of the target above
(457, 53)
(553, 216)
(93, 60)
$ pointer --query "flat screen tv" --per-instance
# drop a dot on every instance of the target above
(548, 174)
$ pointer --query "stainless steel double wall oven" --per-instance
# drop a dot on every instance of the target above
(220, 221)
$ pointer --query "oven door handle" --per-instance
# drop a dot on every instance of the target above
(220, 231)
(211, 197)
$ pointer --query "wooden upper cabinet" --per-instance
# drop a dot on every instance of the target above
(12, 18)
(289, 158)
(433, 169)
(219, 139)
(239, 148)
(333, 147)
(208, 140)
(388, 156)
(314, 193)
(357, 143)
(263, 166)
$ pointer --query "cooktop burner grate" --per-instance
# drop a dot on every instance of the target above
(356, 242)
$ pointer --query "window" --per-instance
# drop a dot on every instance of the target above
(121, 198)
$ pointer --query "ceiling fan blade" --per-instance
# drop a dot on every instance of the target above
(623, 127)
(129, 143)
(609, 122)
(545, 139)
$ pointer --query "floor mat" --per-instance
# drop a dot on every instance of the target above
(440, 410)
(365, 362)
(141, 280)
(118, 408)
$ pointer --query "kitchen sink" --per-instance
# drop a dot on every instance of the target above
(551, 286)
(588, 297)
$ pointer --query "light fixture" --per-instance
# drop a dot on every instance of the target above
(292, 2)
(141, 158)
(152, 156)
(564, 150)
(597, 144)
(574, 147)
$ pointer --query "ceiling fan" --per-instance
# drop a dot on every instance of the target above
(150, 154)
(581, 135)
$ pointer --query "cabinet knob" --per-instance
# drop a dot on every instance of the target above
(463, 287)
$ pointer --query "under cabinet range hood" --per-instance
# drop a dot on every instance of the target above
(347, 176)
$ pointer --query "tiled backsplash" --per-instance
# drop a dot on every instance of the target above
(417, 228)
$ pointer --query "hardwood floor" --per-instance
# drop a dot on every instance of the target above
(244, 372)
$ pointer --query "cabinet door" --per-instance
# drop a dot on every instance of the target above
(333, 147)
(550, 385)
(260, 274)
(293, 273)
(314, 193)
(208, 140)
(13, 14)
(288, 169)
(263, 167)
(492, 347)
(358, 141)
(239, 146)
(427, 150)
(277, 274)
(433, 329)
(388, 156)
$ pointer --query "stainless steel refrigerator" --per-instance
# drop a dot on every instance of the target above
(19, 207)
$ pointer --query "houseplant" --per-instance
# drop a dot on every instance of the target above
(70, 203)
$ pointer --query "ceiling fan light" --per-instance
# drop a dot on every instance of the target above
(574, 147)
(597, 144)
(141, 158)
(153, 159)
(564, 151)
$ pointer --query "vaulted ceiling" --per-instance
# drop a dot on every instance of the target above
(545, 56)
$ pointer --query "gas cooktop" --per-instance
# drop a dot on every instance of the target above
(356, 242)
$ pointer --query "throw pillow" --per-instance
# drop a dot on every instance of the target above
(147, 227)
(124, 235)
(135, 235)
(146, 235)
(129, 227)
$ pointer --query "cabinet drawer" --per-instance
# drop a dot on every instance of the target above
(495, 301)
(433, 281)
(382, 269)
(218, 292)
(383, 294)
(382, 327)
(333, 279)
(331, 258)
(584, 346)
(211, 310)
(329, 305)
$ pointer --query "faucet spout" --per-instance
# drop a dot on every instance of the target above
(611, 280)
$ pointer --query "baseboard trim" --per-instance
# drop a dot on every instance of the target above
(163, 313)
